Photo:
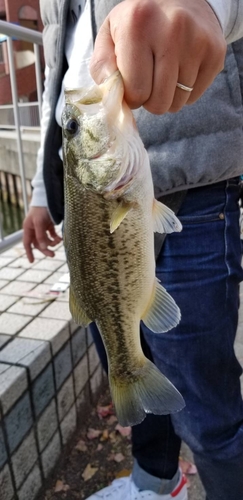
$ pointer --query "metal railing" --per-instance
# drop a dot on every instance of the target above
(16, 109)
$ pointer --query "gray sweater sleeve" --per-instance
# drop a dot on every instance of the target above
(230, 16)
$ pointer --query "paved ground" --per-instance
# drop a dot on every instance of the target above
(70, 472)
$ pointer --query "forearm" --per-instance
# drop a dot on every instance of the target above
(39, 193)
(230, 15)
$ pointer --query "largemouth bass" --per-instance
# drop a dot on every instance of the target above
(110, 219)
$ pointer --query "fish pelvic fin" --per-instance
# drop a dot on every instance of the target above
(151, 392)
(79, 316)
(165, 221)
(119, 214)
(162, 313)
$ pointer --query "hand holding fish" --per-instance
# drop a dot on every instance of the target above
(157, 43)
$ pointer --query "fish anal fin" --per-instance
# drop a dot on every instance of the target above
(119, 215)
(149, 392)
(165, 221)
(79, 316)
(162, 313)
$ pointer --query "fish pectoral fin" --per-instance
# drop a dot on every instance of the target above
(165, 221)
(119, 215)
(162, 313)
(149, 392)
(79, 316)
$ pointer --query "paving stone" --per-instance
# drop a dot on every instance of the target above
(57, 310)
(65, 398)
(60, 255)
(53, 278)
(47, 424)
(64, 269)
(78, 343)
(51, 264)
(9, 273)
(22, 263)
(13, 323)
(14, 252)
(69, 424)
(5, 261)
(4, 339)
(6, 301)
(24, 458)
(34, 276)
(73, 326)
(13, 383)
(30, 353)
(51, 454)
(6, 487)
(43, 390)
(18, 421)
(90, 339)
(94, 359)
(3, 283)
(81, 375)
(27, 305)
(63, 365)
(63, 296)
(96, 380)
(41, 289)
(37, 254)
(18, 288)
(55, 331)
(3, 452)
(82, 401)
(31, 486)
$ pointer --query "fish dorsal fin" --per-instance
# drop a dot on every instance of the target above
(162, 313)
(119, 214)
(79, 316)
(165, 221)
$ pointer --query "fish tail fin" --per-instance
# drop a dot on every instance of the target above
(149, 392)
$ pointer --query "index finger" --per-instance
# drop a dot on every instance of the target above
(27, 242)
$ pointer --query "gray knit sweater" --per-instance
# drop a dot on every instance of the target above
(201, 144)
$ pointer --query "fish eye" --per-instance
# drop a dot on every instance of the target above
(72, 126)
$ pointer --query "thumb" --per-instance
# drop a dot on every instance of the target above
(103, 61)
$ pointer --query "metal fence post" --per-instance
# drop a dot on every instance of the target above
(17, 120)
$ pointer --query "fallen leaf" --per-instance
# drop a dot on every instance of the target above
(124, 431)
(81, 446)
(61, 486)
(187, 467)
(105, 435)
(111, 420)
(118, 457)
(99, 447)
(93, 433)
(89, 472)
(123, 473)
(113, 436)
(104, 411)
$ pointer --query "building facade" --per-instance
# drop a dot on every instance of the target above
(23, 13)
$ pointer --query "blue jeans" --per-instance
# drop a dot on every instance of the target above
(201, 268)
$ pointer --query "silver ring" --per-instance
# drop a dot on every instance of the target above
(184, 87)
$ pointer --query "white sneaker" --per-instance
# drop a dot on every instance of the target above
(125, 489)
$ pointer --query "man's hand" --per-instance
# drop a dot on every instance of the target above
(39, 232)
(157, 43)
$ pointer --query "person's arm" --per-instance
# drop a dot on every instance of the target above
(38, 227)
(230, 15)
(156, 44)
(39, 193)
